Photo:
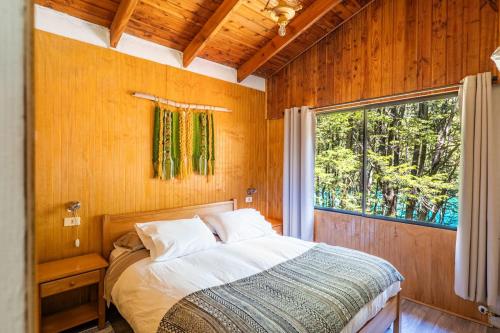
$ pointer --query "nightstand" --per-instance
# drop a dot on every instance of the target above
(59, 276)
(277, 225)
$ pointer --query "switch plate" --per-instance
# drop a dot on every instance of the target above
(248, 199)
(71, 221)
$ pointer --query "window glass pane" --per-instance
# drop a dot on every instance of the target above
(339, 161)
(413, 153)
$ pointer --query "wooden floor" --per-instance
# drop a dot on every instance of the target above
(418, 318)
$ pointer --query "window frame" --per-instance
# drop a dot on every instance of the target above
(364, 109)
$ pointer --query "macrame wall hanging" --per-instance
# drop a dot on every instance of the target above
(183, 143)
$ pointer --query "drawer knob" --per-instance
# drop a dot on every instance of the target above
(72, 283)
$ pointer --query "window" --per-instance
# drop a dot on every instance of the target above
(397, 161)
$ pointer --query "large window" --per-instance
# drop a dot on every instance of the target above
(393, 161)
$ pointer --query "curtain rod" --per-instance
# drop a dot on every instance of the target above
(177, 104)
(453, 88)
(388, 99)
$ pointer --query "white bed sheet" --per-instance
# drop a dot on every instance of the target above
(147, 289)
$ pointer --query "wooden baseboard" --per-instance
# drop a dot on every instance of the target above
(485, 322)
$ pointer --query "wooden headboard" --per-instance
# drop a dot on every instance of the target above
(114, 226)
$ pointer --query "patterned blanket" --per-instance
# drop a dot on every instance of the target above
(318, 291)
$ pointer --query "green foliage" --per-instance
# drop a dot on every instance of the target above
(339, 161)
(412, 158)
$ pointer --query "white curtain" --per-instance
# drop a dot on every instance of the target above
(477, 247)
(298, 173)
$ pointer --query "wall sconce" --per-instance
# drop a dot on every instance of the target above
(73, 207)
(251, 191)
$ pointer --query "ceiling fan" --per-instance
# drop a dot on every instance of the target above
(282, 11)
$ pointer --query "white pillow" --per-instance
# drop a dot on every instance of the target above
(212, 230)
(146, 239)
(238, 225)
(171, 239)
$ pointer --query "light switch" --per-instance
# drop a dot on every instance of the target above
(248, 199)
(71, 221)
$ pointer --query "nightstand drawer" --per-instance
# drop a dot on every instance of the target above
(72, 282)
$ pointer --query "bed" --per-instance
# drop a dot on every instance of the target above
(156, 296)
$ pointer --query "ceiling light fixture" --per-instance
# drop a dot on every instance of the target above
(283, 12)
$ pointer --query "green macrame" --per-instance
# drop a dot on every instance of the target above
(175, 149)
(203, 145)
(167, 141)
(156, 140)
(196, 143)
(212, 145)
(209, 144)
(167, 158)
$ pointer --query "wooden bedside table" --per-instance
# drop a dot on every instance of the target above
(59, 276)
(277, 225)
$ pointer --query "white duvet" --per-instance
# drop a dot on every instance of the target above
(146, 290)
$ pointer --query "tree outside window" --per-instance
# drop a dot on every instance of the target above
(398, 161)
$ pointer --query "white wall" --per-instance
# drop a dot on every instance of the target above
(12, 209)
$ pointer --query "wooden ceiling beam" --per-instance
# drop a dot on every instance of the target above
(121, 19)
(211, 27)
(293, 30)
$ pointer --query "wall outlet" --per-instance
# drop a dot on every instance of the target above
(248, 199)
(71, 221)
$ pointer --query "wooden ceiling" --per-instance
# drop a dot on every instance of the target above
(233, 36)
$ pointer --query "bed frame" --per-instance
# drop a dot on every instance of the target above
(115, 226)
(390, 314)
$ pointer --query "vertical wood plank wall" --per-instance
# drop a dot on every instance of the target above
(94, 140)
(425, 256)
(391, 47)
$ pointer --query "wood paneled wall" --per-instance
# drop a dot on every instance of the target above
(275, 132)
(391, 47)
(94, 140)
(425, 256)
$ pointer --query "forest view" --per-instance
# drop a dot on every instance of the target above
(407, 167)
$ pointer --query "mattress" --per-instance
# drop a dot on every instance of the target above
(146, 290)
